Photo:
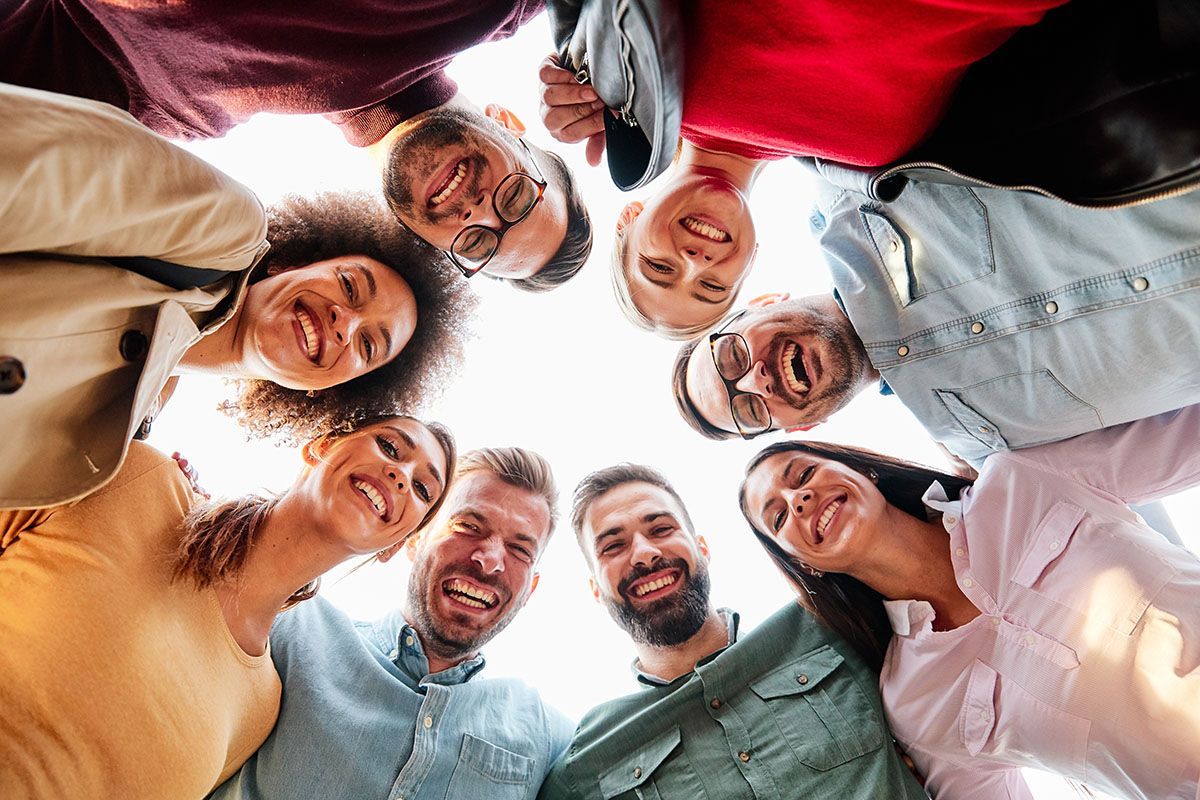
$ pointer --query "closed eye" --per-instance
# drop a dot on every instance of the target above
(777, 523)
(658, 266)
(713, 287)
(422, 490)
(368, 347)
(348, 286)
(522, 552)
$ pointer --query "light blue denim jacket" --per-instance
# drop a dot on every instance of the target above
(1005, 320)
(362, 719)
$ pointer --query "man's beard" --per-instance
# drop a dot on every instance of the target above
(667, 622)
(842, 368)
(417, 154)
(452, 640)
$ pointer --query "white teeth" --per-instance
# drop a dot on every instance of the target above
(456, 177)
(789, 372)
(471, 595)
(309, 330)
(373, 495)
(830, 510)
(702, 228)
(654, 586)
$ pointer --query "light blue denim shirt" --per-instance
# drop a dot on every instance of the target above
(1005, 320)
(362, 719)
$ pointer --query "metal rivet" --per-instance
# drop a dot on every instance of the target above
(428, 722)
(1052, 307)
(637, 772)
(12, 375)
(802, 679)
(715, 703)
(1140, 284)
(408, 640)
(744, 756)
(133, 345)
(902, 350)
(984, 429)
(976, 327)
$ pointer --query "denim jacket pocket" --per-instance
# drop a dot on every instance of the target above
(950, 245)
(488, 770)
(658, 770)
(819, 708)
(1022, 409)
(1000, 720)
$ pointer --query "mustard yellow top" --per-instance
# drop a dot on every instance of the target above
(115, 681)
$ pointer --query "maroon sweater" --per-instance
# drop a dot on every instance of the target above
(195, 68)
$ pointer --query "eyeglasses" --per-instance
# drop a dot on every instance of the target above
(731, 357)
(513, 200)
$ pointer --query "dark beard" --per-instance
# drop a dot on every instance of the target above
(443, 638)
(841, 377)
(670, 621)
(415, 156)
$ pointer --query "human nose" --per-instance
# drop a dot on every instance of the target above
(400, 476)
(799, 499)
(480, 211)
(342, 324)
(489, 555)
(695, 257)
(643, 551)
(756, 381)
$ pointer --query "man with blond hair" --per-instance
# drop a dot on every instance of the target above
(394, 708)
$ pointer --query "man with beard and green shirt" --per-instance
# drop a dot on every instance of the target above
(783, 711)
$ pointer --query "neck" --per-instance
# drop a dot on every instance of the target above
(740, 171)
(287, 554)
(668, 663)
(218, 353)
(437, 663)
(912, 562)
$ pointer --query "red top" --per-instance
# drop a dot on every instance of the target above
(197, 68)
(856, 81)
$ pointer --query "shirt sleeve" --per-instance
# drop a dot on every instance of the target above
(1136, 462)
(84, 178)
(14, 522)
(948, 780)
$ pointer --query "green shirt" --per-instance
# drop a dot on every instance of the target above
(786, 711)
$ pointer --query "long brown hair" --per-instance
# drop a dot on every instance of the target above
(844, 604)
(217, 537)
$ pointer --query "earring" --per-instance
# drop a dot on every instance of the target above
(873, 475)
(816, 573)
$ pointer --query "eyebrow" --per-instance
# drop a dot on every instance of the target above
(608, 533)
(408, 440)
(369, 278)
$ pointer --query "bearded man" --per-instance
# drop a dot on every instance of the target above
(786, 710)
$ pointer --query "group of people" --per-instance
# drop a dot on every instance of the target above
(1038, 313)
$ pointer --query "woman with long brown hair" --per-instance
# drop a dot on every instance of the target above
(1027, 619)
(133, 627)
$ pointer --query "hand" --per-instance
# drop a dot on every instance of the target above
(191, 474)
(571, 111)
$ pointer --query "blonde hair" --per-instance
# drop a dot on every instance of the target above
(518, 467)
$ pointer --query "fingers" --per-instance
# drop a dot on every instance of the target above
(550, 72)
(562, 94)
(595, 148)
(572, 124)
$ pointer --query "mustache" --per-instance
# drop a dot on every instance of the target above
(476, 166)
(637, 573)
(473, 571)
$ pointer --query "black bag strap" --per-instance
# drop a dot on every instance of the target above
(176, 276)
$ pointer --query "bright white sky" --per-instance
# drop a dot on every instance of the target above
(563, 374)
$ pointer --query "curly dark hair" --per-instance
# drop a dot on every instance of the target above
(304, 230)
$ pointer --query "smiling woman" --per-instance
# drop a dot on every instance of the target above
(348, 301)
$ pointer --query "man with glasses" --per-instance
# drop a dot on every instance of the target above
(377, 71)
(1001, 319)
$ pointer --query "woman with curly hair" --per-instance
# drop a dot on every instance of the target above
(134, 623)
(1027, 619)
(114, 278)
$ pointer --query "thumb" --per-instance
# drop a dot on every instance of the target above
(595, 148)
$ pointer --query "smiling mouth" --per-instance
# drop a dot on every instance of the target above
(705, 230)
(656, 585)
(470, 595)
(309, 334)
(373, 494)
(454, 179)
(826, 517)
(794, 373)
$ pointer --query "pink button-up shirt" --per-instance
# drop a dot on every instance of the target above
(1085, 657)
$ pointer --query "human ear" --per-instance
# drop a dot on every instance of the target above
(764, 300)
(628, 214)
(595, 587)
(505, 119)
(410, 546)
(315, 449)
(799, 428)
(703, 547)
(534, 583)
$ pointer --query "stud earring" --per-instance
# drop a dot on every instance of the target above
(873, 476)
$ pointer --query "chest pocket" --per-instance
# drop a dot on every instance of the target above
(823, 715)
(1019, 410)
(953, 248)
(659, 770)
(1092, 568)
(485, 770)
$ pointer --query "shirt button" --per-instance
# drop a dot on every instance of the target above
(715, 702)
(1055, 544)
(12, 374)
(744, 756)
(960, 552)
(977, 327)
(408, 640)
(902, 350)
(983, 715)
(802, 680)
(637, 772)
(968, 583)
(1029, 640)
(1052, 307)
(995, 622)
(428, 722)
(951, 519)
(984, 429)
(1140, 284)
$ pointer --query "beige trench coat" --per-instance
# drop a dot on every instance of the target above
(85, 346)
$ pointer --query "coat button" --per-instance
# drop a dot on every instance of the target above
(133, 345)
(802, 679)
(12, 374)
